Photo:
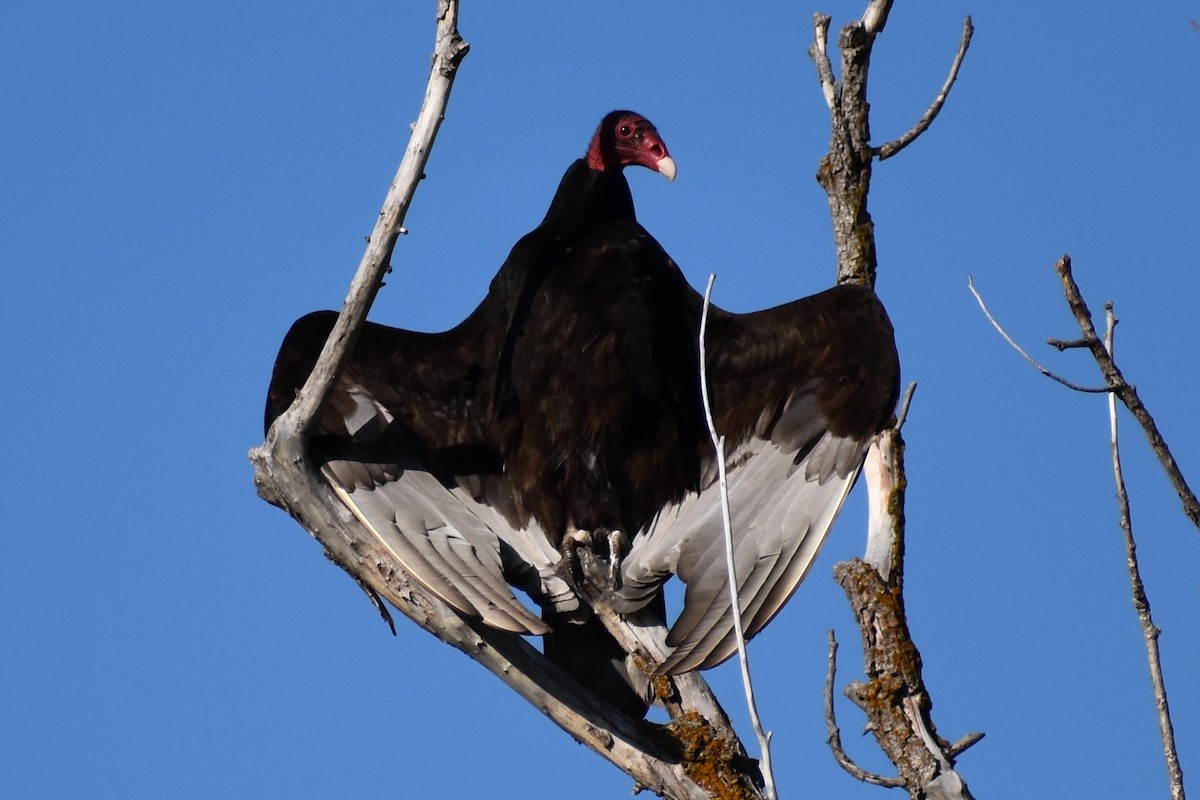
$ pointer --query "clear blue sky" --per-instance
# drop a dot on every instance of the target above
(182, 180)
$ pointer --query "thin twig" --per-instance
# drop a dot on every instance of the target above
(835, 733)
(1069, 344)
(904, 404)
(966, 742)
(819, 52)
(1141, 602)
(892, 148)
(1029, 358)
(764, 738)
(376, 601)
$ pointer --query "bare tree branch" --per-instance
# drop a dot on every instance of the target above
(1141, 602)
(894, 698)
(1029, 358)
(1125, 391)
(845, 173)
(1069, 344)
(965, 743)
(892, 148)
(1114, 379)
(876, 15)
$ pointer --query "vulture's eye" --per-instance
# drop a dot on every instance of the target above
(625, 131)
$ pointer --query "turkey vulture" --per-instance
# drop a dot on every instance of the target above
(569, 400)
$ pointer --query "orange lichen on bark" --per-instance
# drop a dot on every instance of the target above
(709, 760)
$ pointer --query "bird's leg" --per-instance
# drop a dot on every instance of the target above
(616, 551)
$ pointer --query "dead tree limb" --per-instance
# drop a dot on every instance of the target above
(449, 51)
(698, 755)
(1125, 391)
(1114, 379)
(894, 697)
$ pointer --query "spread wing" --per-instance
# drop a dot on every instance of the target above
(403, 443)
(798, 391)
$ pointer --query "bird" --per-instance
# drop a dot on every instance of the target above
(568, 404)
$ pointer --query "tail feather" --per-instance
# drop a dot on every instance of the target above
(588, 653)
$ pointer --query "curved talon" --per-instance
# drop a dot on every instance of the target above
(571, 542)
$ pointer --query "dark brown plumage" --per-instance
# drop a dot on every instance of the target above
(569, 399)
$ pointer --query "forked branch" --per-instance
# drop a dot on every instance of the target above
(1114, 379)
(1126, 391)
(1024, 354)
(845, 173)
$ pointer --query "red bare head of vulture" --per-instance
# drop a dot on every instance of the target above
(626, 138)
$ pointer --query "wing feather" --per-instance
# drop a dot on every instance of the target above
(437, 540)
(780, 522)
(798, 391)
(402, 444)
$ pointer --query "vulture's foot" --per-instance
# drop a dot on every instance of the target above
(571, 567)
(594, 558)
